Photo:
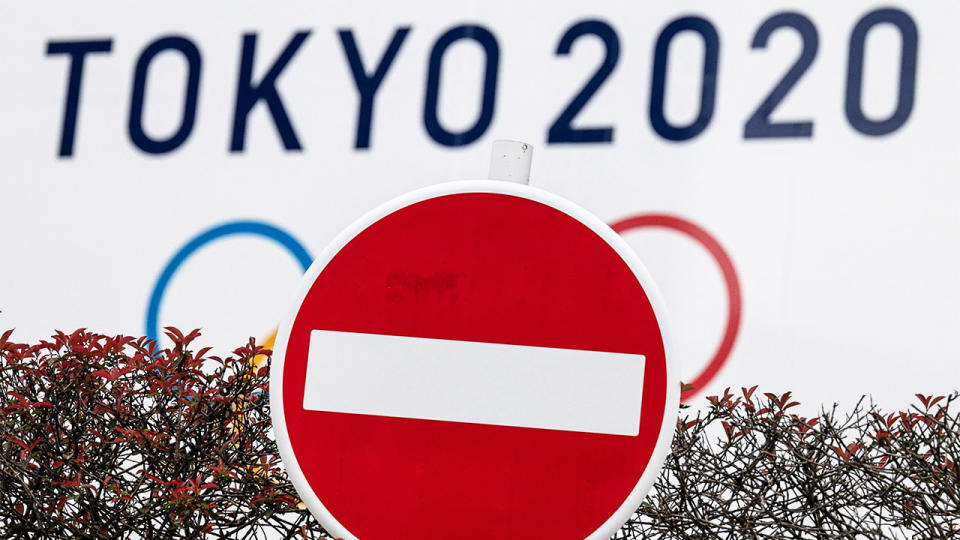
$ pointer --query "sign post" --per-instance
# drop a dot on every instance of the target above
(477, 359)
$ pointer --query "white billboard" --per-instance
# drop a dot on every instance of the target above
(786, 172)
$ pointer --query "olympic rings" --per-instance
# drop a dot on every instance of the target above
(295, 248)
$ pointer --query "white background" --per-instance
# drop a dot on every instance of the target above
(845, 244)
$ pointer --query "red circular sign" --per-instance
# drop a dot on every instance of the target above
(475, 360)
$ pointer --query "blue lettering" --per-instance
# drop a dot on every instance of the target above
(78, 51)
(137, 134)
(248, 94)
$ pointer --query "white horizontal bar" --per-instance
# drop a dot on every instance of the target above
(473, 382)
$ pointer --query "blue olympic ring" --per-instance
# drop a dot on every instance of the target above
(256, 228)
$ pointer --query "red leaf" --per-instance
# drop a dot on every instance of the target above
(841, 452)
(5, 337)
(113, 374)
(20, 398)
(174, 334)
(784, 399)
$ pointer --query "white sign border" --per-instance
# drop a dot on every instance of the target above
(672, 405)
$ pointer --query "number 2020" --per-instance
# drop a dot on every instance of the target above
(563, 130)
(759, 125)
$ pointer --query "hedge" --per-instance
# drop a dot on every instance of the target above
(115, 437)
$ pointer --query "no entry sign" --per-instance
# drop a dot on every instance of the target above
(475, 360)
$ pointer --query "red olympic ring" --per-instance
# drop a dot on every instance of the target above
(735, 301)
